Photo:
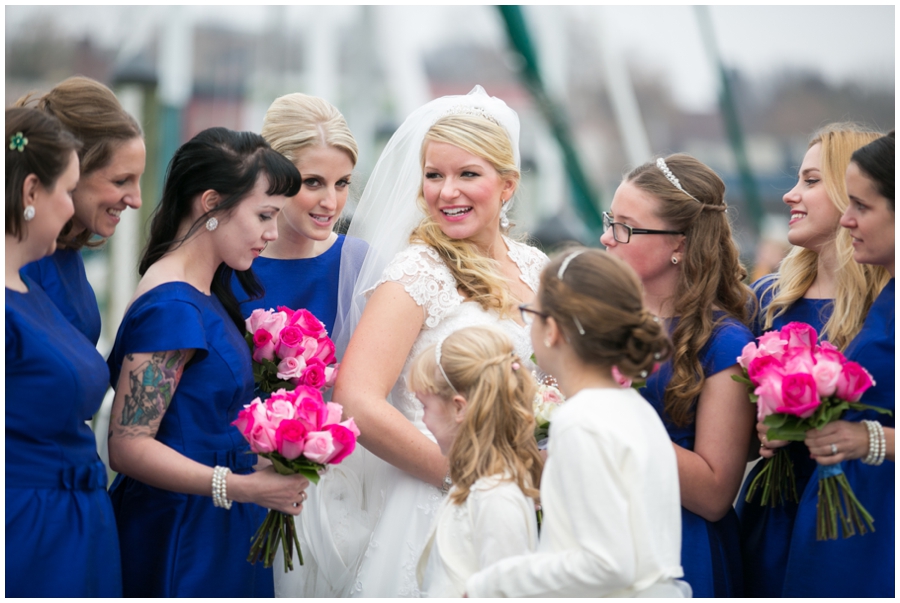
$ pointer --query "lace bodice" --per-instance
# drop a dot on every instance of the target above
(430, 283)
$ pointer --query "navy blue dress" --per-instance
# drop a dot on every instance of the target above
(710, 551)
(765, 531)
(310, 283)
(862, 565)
(60, 530)
(177, 544)
(62, 277)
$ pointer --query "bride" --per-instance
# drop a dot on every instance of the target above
(448, 176)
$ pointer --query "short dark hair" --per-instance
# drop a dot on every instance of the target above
(46, 155)
(876, 160)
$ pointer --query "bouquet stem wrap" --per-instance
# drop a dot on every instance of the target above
(838, 503)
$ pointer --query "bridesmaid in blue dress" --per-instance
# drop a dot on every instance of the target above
(187, 500)
(60, 530)
(693, 279)
(813, 285)
(863, 565)
(305, 266)
(112, 161)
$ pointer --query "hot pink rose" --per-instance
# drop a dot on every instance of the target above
(289, 438)
(264, 345)
(244, 421)
(826, 374)
(799, 395)
(798, 360)
(308, 323)
(311, 410)
(331, 373)
(769, 396)
(620, 378)
(344, 442)
(319, 447)
(325, 351)
(291, 368)
(335, 412)
(291, 342)
(314, 374)
(853, 381)
(799, 335)
(289, 314)
(826, 351)
(771, 344)
(761, 366)
(351, 425)
(749, 352)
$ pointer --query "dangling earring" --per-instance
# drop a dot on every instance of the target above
(212, 224)
(504, 209)
(674, 260)
(29, 213)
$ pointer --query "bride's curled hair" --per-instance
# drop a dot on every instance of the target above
(601, 295)
(496, 436)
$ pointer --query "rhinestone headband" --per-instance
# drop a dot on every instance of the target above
(437, 358)
(661, 164)
(470, 110)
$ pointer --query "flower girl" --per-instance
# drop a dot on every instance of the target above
(610, 492)
(477, 398)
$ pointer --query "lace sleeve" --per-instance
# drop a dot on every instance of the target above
(426, 279)
(530, 260)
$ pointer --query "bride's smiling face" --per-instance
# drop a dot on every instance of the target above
(464, 193)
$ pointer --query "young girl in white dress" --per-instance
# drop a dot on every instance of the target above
(609, 492)
(477, 398)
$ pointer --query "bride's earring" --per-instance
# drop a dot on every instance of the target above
(504, 209)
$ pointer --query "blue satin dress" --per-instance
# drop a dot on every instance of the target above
(310, 283)
(862, 565)
(61, 536)
(180, 545)
(62, 277)
(710, 551)
(766, 531)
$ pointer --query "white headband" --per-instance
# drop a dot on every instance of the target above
(561, 273)
(437, 357)
(661, 164)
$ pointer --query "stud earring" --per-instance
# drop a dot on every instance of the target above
(212, 224)
(29, 213)
(674, 260)
(546, 343)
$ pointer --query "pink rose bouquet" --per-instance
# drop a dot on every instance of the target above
(798, 384)
(547, 399)
(290, 349)
(300, 433)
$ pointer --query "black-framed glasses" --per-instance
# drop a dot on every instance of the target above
(527, 313)
(622, 232)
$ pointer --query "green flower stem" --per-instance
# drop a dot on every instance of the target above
(837, 502)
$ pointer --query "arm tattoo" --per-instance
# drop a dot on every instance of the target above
(151, 387)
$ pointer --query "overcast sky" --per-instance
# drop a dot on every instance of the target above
(841, 42)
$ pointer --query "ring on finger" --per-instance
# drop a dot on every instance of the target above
(296, 504)
(303, 496)
(834, 449)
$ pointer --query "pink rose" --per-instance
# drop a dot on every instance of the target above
(314, 374)
(264, 345)
(768, 396)
(280, 406)
(308, 323)
(799, 395)
(319, 447)
(351, 425)
(291, 342)
(799, 335)
(761, 366)
(749, 352)
(291, 368)
(289, 314)
(311, 409)
(325, 351)
(853, 381)
(344, 442)
(771, 344)
(826, 351)
(826, 374)
(262, 436)
(620, 378)
(331, 373)
(289, 438)
(271, 321)
(798, 360)
(244, 421)
(335, 412)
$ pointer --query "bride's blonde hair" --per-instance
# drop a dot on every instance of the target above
(496, 436)
(477, 276)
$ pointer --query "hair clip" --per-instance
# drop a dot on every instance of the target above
(565, 264)
(661, 164)
(516, 366)
(17, 142)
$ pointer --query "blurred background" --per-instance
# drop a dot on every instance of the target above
(598, 90)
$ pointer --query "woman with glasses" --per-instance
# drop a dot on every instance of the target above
(668, 222)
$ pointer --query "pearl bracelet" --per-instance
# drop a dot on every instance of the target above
(877, 444)
(219, 487)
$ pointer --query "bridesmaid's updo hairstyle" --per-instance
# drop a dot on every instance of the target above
(44, 149)
(94, 115)
(876, 160)
(229, 163)
(296, 121)
(598, 305)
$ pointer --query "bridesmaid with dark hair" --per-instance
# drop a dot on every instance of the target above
(187, 500)
(60, 530)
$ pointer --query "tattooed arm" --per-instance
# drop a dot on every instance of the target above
(147, 384)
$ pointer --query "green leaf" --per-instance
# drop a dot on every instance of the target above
(742, 379)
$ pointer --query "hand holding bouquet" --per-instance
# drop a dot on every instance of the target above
(299, 433)
(800, 384)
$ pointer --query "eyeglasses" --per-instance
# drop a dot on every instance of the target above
(622, 232)
(527, 313)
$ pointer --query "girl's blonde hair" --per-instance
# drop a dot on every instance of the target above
(478, 277)
(296, 121)
(856, 285)
(497, 434)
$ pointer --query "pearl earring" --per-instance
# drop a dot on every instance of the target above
(674, 260)
(212, 224)
(29, 213)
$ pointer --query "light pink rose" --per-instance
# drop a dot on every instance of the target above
(289, 438)
(269, 320)
(290, 342)
(262, 436)
(853, 381)
(291, 368)
(799, 395)
(799, 335)
(314, 374)
(798, 360)
(344, 442)
(325, 351)
(771, 344)
(335, 412)
(280, 407)
(769, 395)
(826, 374)
(620, 378)
(264, 346)
(331, 373)
(311, 409)
(319, 447)
(761, 366)
(351, 425)
(826, 351)
(749, 352)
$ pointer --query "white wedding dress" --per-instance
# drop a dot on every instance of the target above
(388, 567)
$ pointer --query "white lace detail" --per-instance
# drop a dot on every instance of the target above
(530, 261)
